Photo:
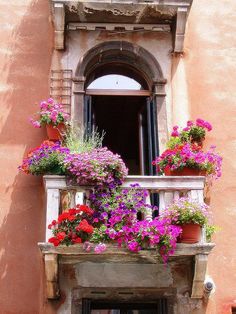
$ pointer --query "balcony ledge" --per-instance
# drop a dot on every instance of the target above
(75, 254)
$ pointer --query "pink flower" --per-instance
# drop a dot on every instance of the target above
(100, 248)
(35, 124)
(175, 133)
(87, 246)
(190, 123)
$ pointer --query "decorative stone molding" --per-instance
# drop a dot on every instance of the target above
(120, 16)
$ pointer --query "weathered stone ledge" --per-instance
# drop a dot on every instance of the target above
(76, 253)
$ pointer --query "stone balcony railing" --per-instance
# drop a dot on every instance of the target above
(61, 195)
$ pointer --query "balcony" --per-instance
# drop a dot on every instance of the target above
(61, 195)
(122, 15)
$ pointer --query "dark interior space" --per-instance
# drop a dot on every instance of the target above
(118, 116)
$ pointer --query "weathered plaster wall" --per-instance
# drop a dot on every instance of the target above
(25, 60)
(209, 67)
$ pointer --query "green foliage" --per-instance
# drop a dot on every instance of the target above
(51, 164)
(196, 134)
(173, 141)
(210, 230)
(99, 235)
(75, 139)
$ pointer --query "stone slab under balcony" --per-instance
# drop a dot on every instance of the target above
(135, 268)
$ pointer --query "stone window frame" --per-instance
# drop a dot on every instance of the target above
(142, 66)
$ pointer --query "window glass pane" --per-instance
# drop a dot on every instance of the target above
(114, 82)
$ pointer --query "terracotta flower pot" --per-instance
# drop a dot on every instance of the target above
(185, 172)
(54, 132)
(191, 233)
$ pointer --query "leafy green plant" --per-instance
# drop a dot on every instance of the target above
(210, 230)
(185, 210)
(78, 142)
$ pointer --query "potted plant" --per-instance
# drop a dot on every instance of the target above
(48, 158)
(190, 215)
(193, 132)
(189, 159)
(72, 226)
(53, 116)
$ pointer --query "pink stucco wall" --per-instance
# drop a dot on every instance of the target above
(25, 59)
(210, 71)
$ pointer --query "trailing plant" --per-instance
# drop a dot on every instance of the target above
(120, 217)
(99, 167)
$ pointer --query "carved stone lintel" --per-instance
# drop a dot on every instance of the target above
(51, 272)
(59, 24)
(181, 19)
(199, 276)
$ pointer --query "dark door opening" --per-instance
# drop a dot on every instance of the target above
(130, 128)
(112, 307)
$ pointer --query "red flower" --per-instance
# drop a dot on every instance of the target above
(86, 209)
(63, 216)
(77, 240)
(54, 241)
(72, 211)
(71, 218)
(61, 236)
(84, 226)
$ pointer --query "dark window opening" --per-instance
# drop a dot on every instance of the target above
(129, 123)
(112, 307)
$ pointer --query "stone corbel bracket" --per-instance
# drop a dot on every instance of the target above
(200, 269)
(181, 20)
(51, 274)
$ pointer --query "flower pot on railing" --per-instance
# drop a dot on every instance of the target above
(54, 133)
(184, 172)
(191, 233)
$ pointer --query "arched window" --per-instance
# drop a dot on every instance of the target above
(115, 81)
(120, 95)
